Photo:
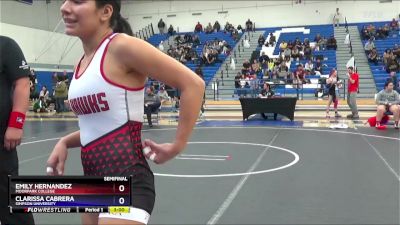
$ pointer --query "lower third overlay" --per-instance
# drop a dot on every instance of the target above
(69, 194)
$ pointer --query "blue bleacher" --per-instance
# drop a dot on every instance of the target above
(208, 71)
(378, 71)
(329, 55)
(157, 38)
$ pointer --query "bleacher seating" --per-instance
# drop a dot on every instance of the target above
(378, 71)
(157, 38)
(380, 75)
(210, 71)
(328, 55)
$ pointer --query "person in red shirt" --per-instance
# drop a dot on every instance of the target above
(353, 82)
(198, 28)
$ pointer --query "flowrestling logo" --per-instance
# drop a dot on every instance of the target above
(24, 65)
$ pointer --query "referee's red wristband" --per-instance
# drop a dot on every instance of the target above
(16, 120)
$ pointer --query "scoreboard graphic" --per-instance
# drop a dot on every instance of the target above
(69, 194)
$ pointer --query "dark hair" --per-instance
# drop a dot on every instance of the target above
(387, 83)
(117, 22)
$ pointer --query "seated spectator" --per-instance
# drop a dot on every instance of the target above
(386, 55)
(321, 44)
(369, 45)
(261, 40)
(331, 43)
(272, 39)
(196, 40)
(393, 78)
(171, 30)
(192, 55)
(306, 42)
(229, 28)
(187, 38)
(269, 69)
(289, 45)
(237, 80)
(40, 105)
(318, 67)
(208, 57)
(396, 51)
(371, 30)
(296, 54)
(209, 29)
(45, 94)
(151, 104)
(317, 38)
(278, 61)
(227, 49)
(263, 60)
(392, 65)
(198, 28)
(387, 101)
(373, 56)
(380, 33)
(246, 67)
(255, 67)
(386, 30)
(394, 25)
(365, 34)
(244, 81)
(299, 75)
(235, 35)
(179, 40)
(282, 46)
(249, 25)
(307, 51)
(282, 72)
(296, 42)
(240, 28)
(163, 95)
(287, 53)
(217, 26)
(309, 68)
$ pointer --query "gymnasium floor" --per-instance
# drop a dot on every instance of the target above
(255, 172)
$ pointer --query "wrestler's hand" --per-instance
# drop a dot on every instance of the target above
(56, 161)
(160, 153)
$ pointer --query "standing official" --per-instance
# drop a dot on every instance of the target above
(353, 82)
(14, 100)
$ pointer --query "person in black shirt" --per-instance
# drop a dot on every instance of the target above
(249, 25)
(266, 92)
(261, 40)
(161, 26)
(14, 92)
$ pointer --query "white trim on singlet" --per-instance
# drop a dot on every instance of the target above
(118, 104)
